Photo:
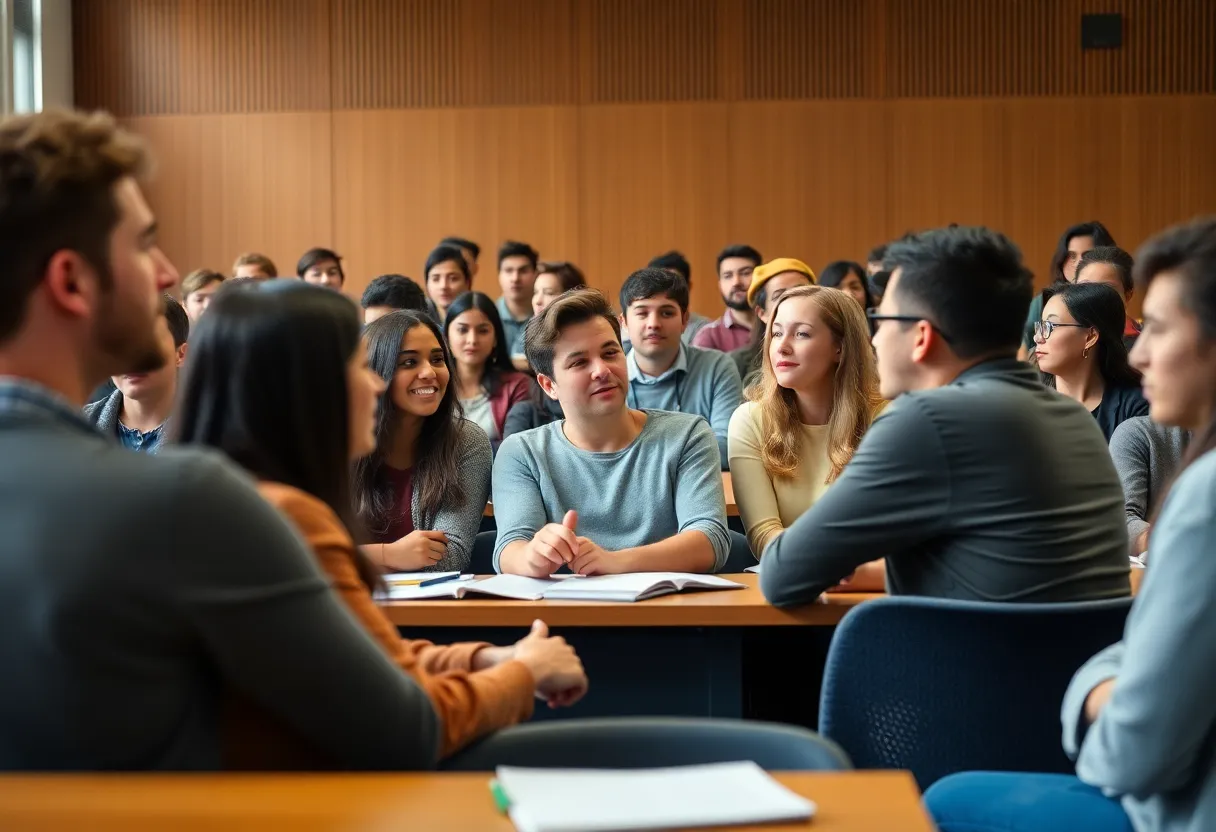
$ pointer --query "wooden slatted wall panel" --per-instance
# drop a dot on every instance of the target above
(126, 56)
(808, 49)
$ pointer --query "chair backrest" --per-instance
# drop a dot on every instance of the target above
(645, 742)
(937, 686)
(740, 556)
(482, 561)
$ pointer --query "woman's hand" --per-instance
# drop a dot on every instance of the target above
(416, 551)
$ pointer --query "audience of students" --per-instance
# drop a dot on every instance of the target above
(850, 278)
(391, 293)
(1146, 455)
(197, 289)
(1113, 266)
(769, 280)
(137, 411)
(664, 372)
(1140, 717)
(468, 248)
(487, 383)
(242, 397)
(1079, 348)
(138, 589)
(321, 267)
(552, 279)
(517, 265)
(608, 488)
(1074, 242)
(677, 263)
(733, 330)
(447, 277)
(817, 394)
(421, 493)
(254, 266)
(976, 482)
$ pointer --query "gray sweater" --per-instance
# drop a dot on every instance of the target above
(991, 488)
(137, 591)
(665, 482)
(1146, 455)
(461, 523)
(1154, 744)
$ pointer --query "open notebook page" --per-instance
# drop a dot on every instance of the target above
(635, 586)
(720, 794)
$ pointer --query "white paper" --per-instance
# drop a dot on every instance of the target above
(447, 589)
(632, 586)
(755, 569)
(720, 794)
(516, 587)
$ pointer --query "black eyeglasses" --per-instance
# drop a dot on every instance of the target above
(1043, 329)
(875, 318)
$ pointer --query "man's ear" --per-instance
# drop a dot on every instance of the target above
(72, 285)
(925, 341)
(548, 385)
(181, 355)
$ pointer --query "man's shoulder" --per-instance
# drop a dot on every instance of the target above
(669, 425)
(710, 361)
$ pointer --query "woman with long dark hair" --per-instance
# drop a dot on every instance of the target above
(421, 493)
(1075, 241)
(1139, 717)
(279, 381)
(487, 383)
(850, 278)
(1079, 348)
(446, 277)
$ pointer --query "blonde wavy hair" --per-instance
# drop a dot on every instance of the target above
(855, 399)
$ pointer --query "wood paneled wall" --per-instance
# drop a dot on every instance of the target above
(606, 131)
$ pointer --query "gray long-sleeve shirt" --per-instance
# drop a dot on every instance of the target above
(1154, 743)
(1146, 455)
(137, 591)
(990, 488)
(665, 482)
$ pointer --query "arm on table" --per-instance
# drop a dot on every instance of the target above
(519, 509)
(754, 492)
(461, 523)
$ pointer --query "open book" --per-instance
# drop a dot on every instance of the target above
(720, 794)
(631, 586)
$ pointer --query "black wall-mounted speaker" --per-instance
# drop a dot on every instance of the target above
(1101, 31)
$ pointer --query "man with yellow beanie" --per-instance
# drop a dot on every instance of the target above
(769, 282)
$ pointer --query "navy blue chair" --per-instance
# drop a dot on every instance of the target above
(740, 556)
(937, 686)
(644, 742)
(482, 561)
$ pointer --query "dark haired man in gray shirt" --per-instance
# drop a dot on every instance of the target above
(977, 482)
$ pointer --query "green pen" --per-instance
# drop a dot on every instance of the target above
(500, 796)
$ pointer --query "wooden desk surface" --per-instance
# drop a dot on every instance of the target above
(847, 801)
(728, 485)
(720, 608)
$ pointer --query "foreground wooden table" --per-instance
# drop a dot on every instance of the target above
(722, 608)
(847, 801)
(728, 485)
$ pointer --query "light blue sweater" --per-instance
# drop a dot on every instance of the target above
(1154, 744)
(665, 482)
(704, 382)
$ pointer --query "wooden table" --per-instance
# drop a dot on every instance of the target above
(677, 655)
(728, 486)
(847, 801)
(725, 608)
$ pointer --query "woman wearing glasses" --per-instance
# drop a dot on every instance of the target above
(1079, 348)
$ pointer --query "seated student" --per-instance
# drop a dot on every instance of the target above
(734, 328)
(486, 382)
(976, 482)
(421, 494)
(468, 248)
(138, 409)
(447, 277)
(321, 267)
(1079, 348)
(552, 279)
(254, 266)
(1146, 455)
(517, 263)
(1073, 244)
(850, 278)
(262, 353)
(607, 489)
(391, 293)
(665, 373)
(197, 289)
(136, 589)
(769, 280)
(677, 263)
(1113, 266)
(802, 422)
(1139, 717)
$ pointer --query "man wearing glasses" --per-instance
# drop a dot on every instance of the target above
(977, 482)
